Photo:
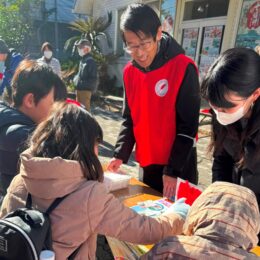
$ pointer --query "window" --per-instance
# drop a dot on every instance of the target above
(205, 9)
(119, 41)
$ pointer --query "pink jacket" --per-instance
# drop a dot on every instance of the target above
(88, 211)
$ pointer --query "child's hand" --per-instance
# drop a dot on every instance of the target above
(180, 208)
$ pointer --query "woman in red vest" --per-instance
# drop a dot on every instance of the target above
(162, 103)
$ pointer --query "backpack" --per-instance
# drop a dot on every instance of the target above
(25, 232)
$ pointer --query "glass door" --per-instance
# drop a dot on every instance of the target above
(190, 38)
(210, 47)
(202, 41)
(203, 25)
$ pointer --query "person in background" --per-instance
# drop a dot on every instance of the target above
(162, 103)
(47, 58)
(222, 223)
(86, 78)
(62, 159)
(232, 88)
(9, 60)
(34, 88)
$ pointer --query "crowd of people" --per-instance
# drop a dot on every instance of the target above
(49, 147)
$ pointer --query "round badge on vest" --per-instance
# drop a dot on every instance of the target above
(161, 87)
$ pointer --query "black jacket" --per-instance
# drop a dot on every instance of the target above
(181, 162)
(15, 128)
(86, 78)
(225, 164)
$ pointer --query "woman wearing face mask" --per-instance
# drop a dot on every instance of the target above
(48, 58)
(232, 88)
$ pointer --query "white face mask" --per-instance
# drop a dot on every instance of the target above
(81, 52)
(47, 54)
(230, 118)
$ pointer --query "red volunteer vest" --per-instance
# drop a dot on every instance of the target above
(151, 98)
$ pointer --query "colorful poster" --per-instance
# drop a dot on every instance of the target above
(152, 208)
(189, 41)
(168, 10)
(211, 45)
(248, 34)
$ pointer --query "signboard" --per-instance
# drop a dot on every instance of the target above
(211, 45)
(168, 10)
(248, 34)
(189, 41)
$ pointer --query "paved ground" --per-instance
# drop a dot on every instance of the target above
(111, 122)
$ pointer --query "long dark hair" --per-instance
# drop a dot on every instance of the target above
(236, 70)
(71, 133)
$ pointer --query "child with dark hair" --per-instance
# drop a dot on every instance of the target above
(34, 88)
(62, 159)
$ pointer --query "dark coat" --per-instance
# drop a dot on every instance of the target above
(15, 128)
(86, 78)
(12, 61)
(226, 158)
(182, 162)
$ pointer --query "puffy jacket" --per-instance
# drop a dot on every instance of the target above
(89, 210)
(226, 159)
(86, 78)
(15, 128)
(12, 61)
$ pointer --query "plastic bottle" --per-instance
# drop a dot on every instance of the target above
(47, 255)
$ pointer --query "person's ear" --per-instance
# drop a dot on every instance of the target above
(256, 94)
(159, 34)
(28, 100)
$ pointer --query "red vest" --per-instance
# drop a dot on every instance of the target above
(151, 98)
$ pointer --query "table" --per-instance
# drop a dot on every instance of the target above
(137, 192)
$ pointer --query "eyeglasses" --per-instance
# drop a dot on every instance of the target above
(144, 46)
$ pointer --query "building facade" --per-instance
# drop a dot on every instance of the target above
(51, 23)
(204, 28)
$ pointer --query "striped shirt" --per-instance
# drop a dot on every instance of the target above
(54, 64)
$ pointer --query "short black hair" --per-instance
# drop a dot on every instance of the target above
(36, 78)
(236, 70)
(140, 18)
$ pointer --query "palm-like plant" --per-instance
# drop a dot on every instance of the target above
(92, 29)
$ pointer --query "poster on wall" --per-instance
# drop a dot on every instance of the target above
(248, 34)
(189, 41)
(211, 45)
(168, 10)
